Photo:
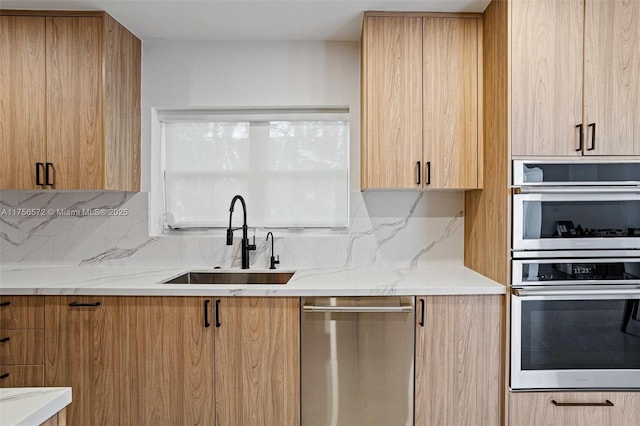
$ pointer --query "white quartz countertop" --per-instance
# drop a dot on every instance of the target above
(31, 406)
(145, 281)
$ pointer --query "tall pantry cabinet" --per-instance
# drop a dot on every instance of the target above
(560, 79)
(70, 110)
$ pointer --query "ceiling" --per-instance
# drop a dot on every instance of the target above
(246, 20)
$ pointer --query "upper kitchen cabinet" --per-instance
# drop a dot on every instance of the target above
(71, 119)
(575, 77)
(420, 101)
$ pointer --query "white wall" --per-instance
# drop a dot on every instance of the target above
(188, 74)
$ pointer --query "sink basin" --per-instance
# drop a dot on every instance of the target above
(195, 277)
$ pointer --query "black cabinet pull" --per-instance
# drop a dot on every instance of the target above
(4, 376)
(206, 313)
(418, 173)
(428, 172)
(47, 175)
(579, 126)
(5, 339)
(421, 312)
(607, 403)
(218, 324)
(593, 137)
(91, 305)
(5, 303)
(38, 176)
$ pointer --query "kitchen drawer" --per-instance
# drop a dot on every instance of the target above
(537, 409)
(15, 376)
(21, 347)
(21, 312)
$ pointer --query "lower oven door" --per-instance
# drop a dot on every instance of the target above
(575, 338)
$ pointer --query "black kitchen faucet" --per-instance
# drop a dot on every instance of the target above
(245, 239)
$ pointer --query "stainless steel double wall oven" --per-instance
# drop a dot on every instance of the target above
(575, 275)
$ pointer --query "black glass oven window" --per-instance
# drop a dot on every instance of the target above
(577, 271)
(580, 334)
(582, 172)
(581, 219)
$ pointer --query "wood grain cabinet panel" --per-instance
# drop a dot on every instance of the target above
(21, 312)
(537, 409)
(22, 109)
(612, 77)
(420, 101)
(21, 341)
(171, 359)
(86, 348)
(17, 376)
(575, 62)
(72, 90)
(458, 360)
(257, 361)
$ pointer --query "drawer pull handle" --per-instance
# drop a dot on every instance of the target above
(5, 339)
(5, 303)
(4, 376)
(92, 305)
(206, 313)
(607, 403)
(218, 323)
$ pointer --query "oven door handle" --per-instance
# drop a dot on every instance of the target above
(578, 293)
(577, 189)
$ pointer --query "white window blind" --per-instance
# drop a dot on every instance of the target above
(291, 166)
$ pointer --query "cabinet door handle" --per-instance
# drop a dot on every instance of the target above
(581, 143)
(39, 166)
(218, 323)
(4, 376)
(88, 305)
(206, 313)
(5, 339)
(418, 173)
(5, 303)
(607, 403)
(47, 174)
(593, 137)
(428, 172)
(421, 312)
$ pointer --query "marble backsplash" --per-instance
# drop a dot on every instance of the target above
(395, 228)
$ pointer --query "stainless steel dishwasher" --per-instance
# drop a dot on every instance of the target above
(357, 361)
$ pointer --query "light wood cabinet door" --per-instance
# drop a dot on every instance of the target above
(257, 361)
(171, 360)
(612, 77)
(457, 364)
(22, 101)
(546, 76)
(451, 52)
(74, 102)
(392, 102)
(17, 376)
(86, 349)
(538, 409)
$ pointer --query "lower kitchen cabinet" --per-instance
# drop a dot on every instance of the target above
(539, 409)
(86, 345)
(257, 361)
(174, 360)
(171, 360)
(458, 360)
(21, 341)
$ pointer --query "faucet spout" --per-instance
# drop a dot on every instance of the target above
(246, 247)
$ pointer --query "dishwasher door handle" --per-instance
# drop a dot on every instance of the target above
(359, 309)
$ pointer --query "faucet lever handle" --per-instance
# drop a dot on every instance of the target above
(253, 245)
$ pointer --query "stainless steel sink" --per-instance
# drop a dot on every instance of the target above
(198, 277)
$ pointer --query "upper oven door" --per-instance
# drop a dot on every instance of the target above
(576, 220)
(576, 173)
(575, 338)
